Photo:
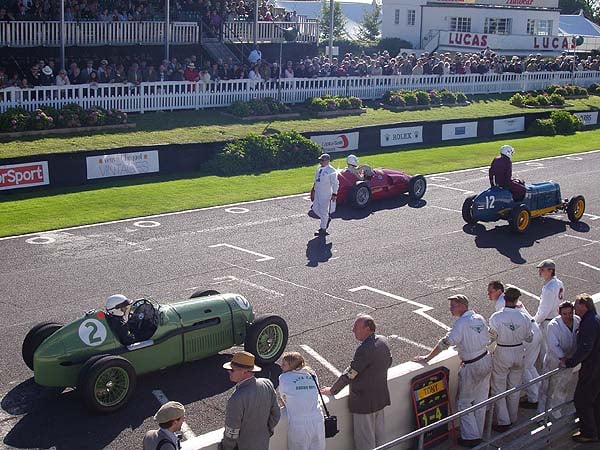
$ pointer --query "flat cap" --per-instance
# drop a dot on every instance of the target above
(546, 264)
(463, 299)
(169, 411)
(512, 294)
(326, 156)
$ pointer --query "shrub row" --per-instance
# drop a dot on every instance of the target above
(423, 98)
(332, 103)
(594, 89)
(560, 122)
(568, 90)
(534, 99)
(258, 107)
(257, 152)
(70, 116)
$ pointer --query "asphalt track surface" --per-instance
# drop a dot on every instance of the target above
(396, 261)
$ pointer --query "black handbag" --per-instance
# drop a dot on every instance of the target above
(331, 425)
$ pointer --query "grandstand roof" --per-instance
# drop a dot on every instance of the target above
(353, 10)
(577, 25)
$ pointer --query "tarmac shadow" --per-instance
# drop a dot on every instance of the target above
(318, 250)
(347, 212)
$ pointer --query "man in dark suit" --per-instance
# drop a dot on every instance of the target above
(367, 377)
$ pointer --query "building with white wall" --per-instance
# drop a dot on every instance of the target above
(505, 26)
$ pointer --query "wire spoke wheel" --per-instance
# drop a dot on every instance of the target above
(111, 387)
(270, 341)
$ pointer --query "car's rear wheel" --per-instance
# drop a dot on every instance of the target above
(34, 339)
(520, 219)
(202, 293)
(576, 208)
(417, 187)
(360, 195)
(107, 383)
(266, 339)
(467, 210)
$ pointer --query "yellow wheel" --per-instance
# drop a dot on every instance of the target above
(520, 220)
(576, 208)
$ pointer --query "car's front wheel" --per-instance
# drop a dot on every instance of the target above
(417, 187)
(107, 384)
(467, 210)
(36, 336)
(520, 219)
(576, 208)
(266, 339)
(360, 194)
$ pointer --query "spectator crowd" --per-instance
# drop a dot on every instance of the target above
(137, 70)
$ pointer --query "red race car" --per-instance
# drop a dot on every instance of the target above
(377, 184)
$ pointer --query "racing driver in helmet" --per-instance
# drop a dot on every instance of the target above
(117, 315)
(500, 173)
(352, 167)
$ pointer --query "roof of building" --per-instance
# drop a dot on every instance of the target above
(578, 25)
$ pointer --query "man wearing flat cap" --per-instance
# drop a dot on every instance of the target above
(325, 191)
(170, 418)
(510, 328)
(552, 296)
(252, 410)
(470, 335)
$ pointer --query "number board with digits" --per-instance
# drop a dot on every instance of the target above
(431, 403)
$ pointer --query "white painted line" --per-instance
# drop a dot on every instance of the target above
(322, 360)
(589, 241)
(185, 429)
(596, 297)
(303, 287)
(591, 216)
(40, 240)
(421, 311)
(589, 265)
(534, 164)
(408, 341)
(248, 283)
(523, 291)
(146, 224)
(248, 224)
(464, 191)
(307, 198)
(444, 209)
(438, 178)
(237, 210)
(262, 257)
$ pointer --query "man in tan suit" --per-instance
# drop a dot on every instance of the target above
(170, 417)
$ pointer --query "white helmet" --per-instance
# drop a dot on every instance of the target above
(114, 303)
(507, 150)
(352, 160)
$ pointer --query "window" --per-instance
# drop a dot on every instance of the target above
(397, 17)
(497, 26)
(539, 27)
(412, 15)
(460, 24)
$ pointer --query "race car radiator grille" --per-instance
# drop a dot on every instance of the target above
(201, 344)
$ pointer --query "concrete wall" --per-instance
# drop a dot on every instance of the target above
(399, 416)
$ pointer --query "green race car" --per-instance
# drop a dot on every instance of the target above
(88, 355)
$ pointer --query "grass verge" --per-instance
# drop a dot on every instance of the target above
(23, 213)
(209, 126)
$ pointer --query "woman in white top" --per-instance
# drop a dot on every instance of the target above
(298, 390)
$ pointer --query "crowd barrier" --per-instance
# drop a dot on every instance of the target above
(85, 167)
(399, 416)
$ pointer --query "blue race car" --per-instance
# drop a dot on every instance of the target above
(541, 198)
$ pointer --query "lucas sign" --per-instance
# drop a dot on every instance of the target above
(401, 136)
(332, 143)
(121, 164)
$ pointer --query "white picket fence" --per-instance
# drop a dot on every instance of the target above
(174, 95)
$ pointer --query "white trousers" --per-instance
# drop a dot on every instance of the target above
(473, 388)
(557, 389)
(532, 351)
(306, 433)
(507, 372)
(369, 430)
(320, 207)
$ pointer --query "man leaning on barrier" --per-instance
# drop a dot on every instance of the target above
(470, 336)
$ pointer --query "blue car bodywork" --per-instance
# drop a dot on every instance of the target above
(497, 203)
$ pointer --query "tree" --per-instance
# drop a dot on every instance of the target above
(368, 30)
(339, 21)
(589, 7)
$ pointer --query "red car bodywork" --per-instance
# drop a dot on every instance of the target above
(385, 183)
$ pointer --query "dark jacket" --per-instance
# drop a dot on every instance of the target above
(588, 346)
(153, 438)
(367, 376)
(500, 172)
(121, 329)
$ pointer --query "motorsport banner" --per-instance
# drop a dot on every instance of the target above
(342, 142)
(121, 164)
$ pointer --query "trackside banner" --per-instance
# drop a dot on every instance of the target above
(121, 164)
(24, 175)
(342, 142)
(462, 130)
(588, 118)
(510, 125)
(401, 136)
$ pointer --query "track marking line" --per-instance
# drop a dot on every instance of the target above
(529, 294)
(185, 429)
(322, 360)
(421, 311)
(464, 191)
(596, 297)
(262, 257)
(228, 278)
(589, 241)
(589, 265)
(444, 209)
(408, 341)
(591, 216)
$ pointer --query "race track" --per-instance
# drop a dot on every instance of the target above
(396, 261)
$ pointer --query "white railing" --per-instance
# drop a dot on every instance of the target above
(176, 95)
(85, 34)
(235, 31)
